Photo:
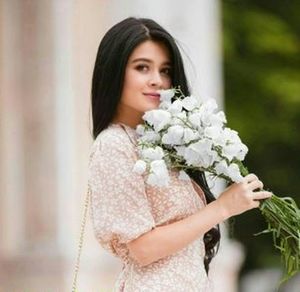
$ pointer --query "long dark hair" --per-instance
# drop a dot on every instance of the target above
(107, 84)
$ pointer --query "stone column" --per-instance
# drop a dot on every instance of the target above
(36, 158)
(11, 136)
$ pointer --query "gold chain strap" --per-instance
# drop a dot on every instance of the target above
(86, 203)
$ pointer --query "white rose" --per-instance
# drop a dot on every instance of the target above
(152, 153)
(166, 95)
(200, 153)
(140, 167)
(221, 167)
(189, 135)
(211, 119)
(230, 151)
(179, 119)
(190, 102)
(238, 150)
(164, 105)
(233, 172)
(195, 119)
(212, 132)
(218, 119)
(191, 156)
(140, 130)
(157, 118)
(227, 137)
(231, 135)
(194, 158)
(206, 119)
(150, 136)
(220, 140)
(159, 175)
(201, 146)
(175, 107)
(173, 136)
(242, 152)
(208, 159)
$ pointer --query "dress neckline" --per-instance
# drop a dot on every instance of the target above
(122, 124)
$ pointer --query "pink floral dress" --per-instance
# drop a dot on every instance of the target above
(123, 207)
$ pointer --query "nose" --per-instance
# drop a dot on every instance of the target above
(155, 79)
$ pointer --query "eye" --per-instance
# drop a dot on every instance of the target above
(142, 67)
(167, 71)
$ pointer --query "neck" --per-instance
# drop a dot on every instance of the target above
(128, 117)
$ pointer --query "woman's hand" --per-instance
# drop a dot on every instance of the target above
(240, 197)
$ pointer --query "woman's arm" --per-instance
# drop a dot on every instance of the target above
(168, 239)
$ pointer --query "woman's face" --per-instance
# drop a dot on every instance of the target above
(148, 70)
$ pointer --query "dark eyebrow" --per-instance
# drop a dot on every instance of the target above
(148, 61)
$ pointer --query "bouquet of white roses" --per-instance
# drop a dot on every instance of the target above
(186, 133)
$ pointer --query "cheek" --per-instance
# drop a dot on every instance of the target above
(167, 83)
(132, 84)
(133, 79)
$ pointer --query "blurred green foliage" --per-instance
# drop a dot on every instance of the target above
(261, 41)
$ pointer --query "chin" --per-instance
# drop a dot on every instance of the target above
(147, 106)
(152, 105)
(151, 108)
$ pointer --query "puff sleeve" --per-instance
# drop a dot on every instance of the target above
(120, 211)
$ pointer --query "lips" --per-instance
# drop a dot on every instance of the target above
(153, 95)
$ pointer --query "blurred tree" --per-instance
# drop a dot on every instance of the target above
(262, 89)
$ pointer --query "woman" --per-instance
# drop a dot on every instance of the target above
(165, 236)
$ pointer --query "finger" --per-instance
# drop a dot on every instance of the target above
(250, 177)
(256, 184)
(256, 204)
(262, 195)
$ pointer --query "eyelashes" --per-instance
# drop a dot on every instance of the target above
(168, 71)
(141, 67)
(145, 68)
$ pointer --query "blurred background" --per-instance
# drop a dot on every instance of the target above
(246, 54)
(262, 98)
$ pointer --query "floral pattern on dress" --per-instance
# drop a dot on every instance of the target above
(123, 207)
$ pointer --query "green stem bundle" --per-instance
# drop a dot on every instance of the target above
(283, 218)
